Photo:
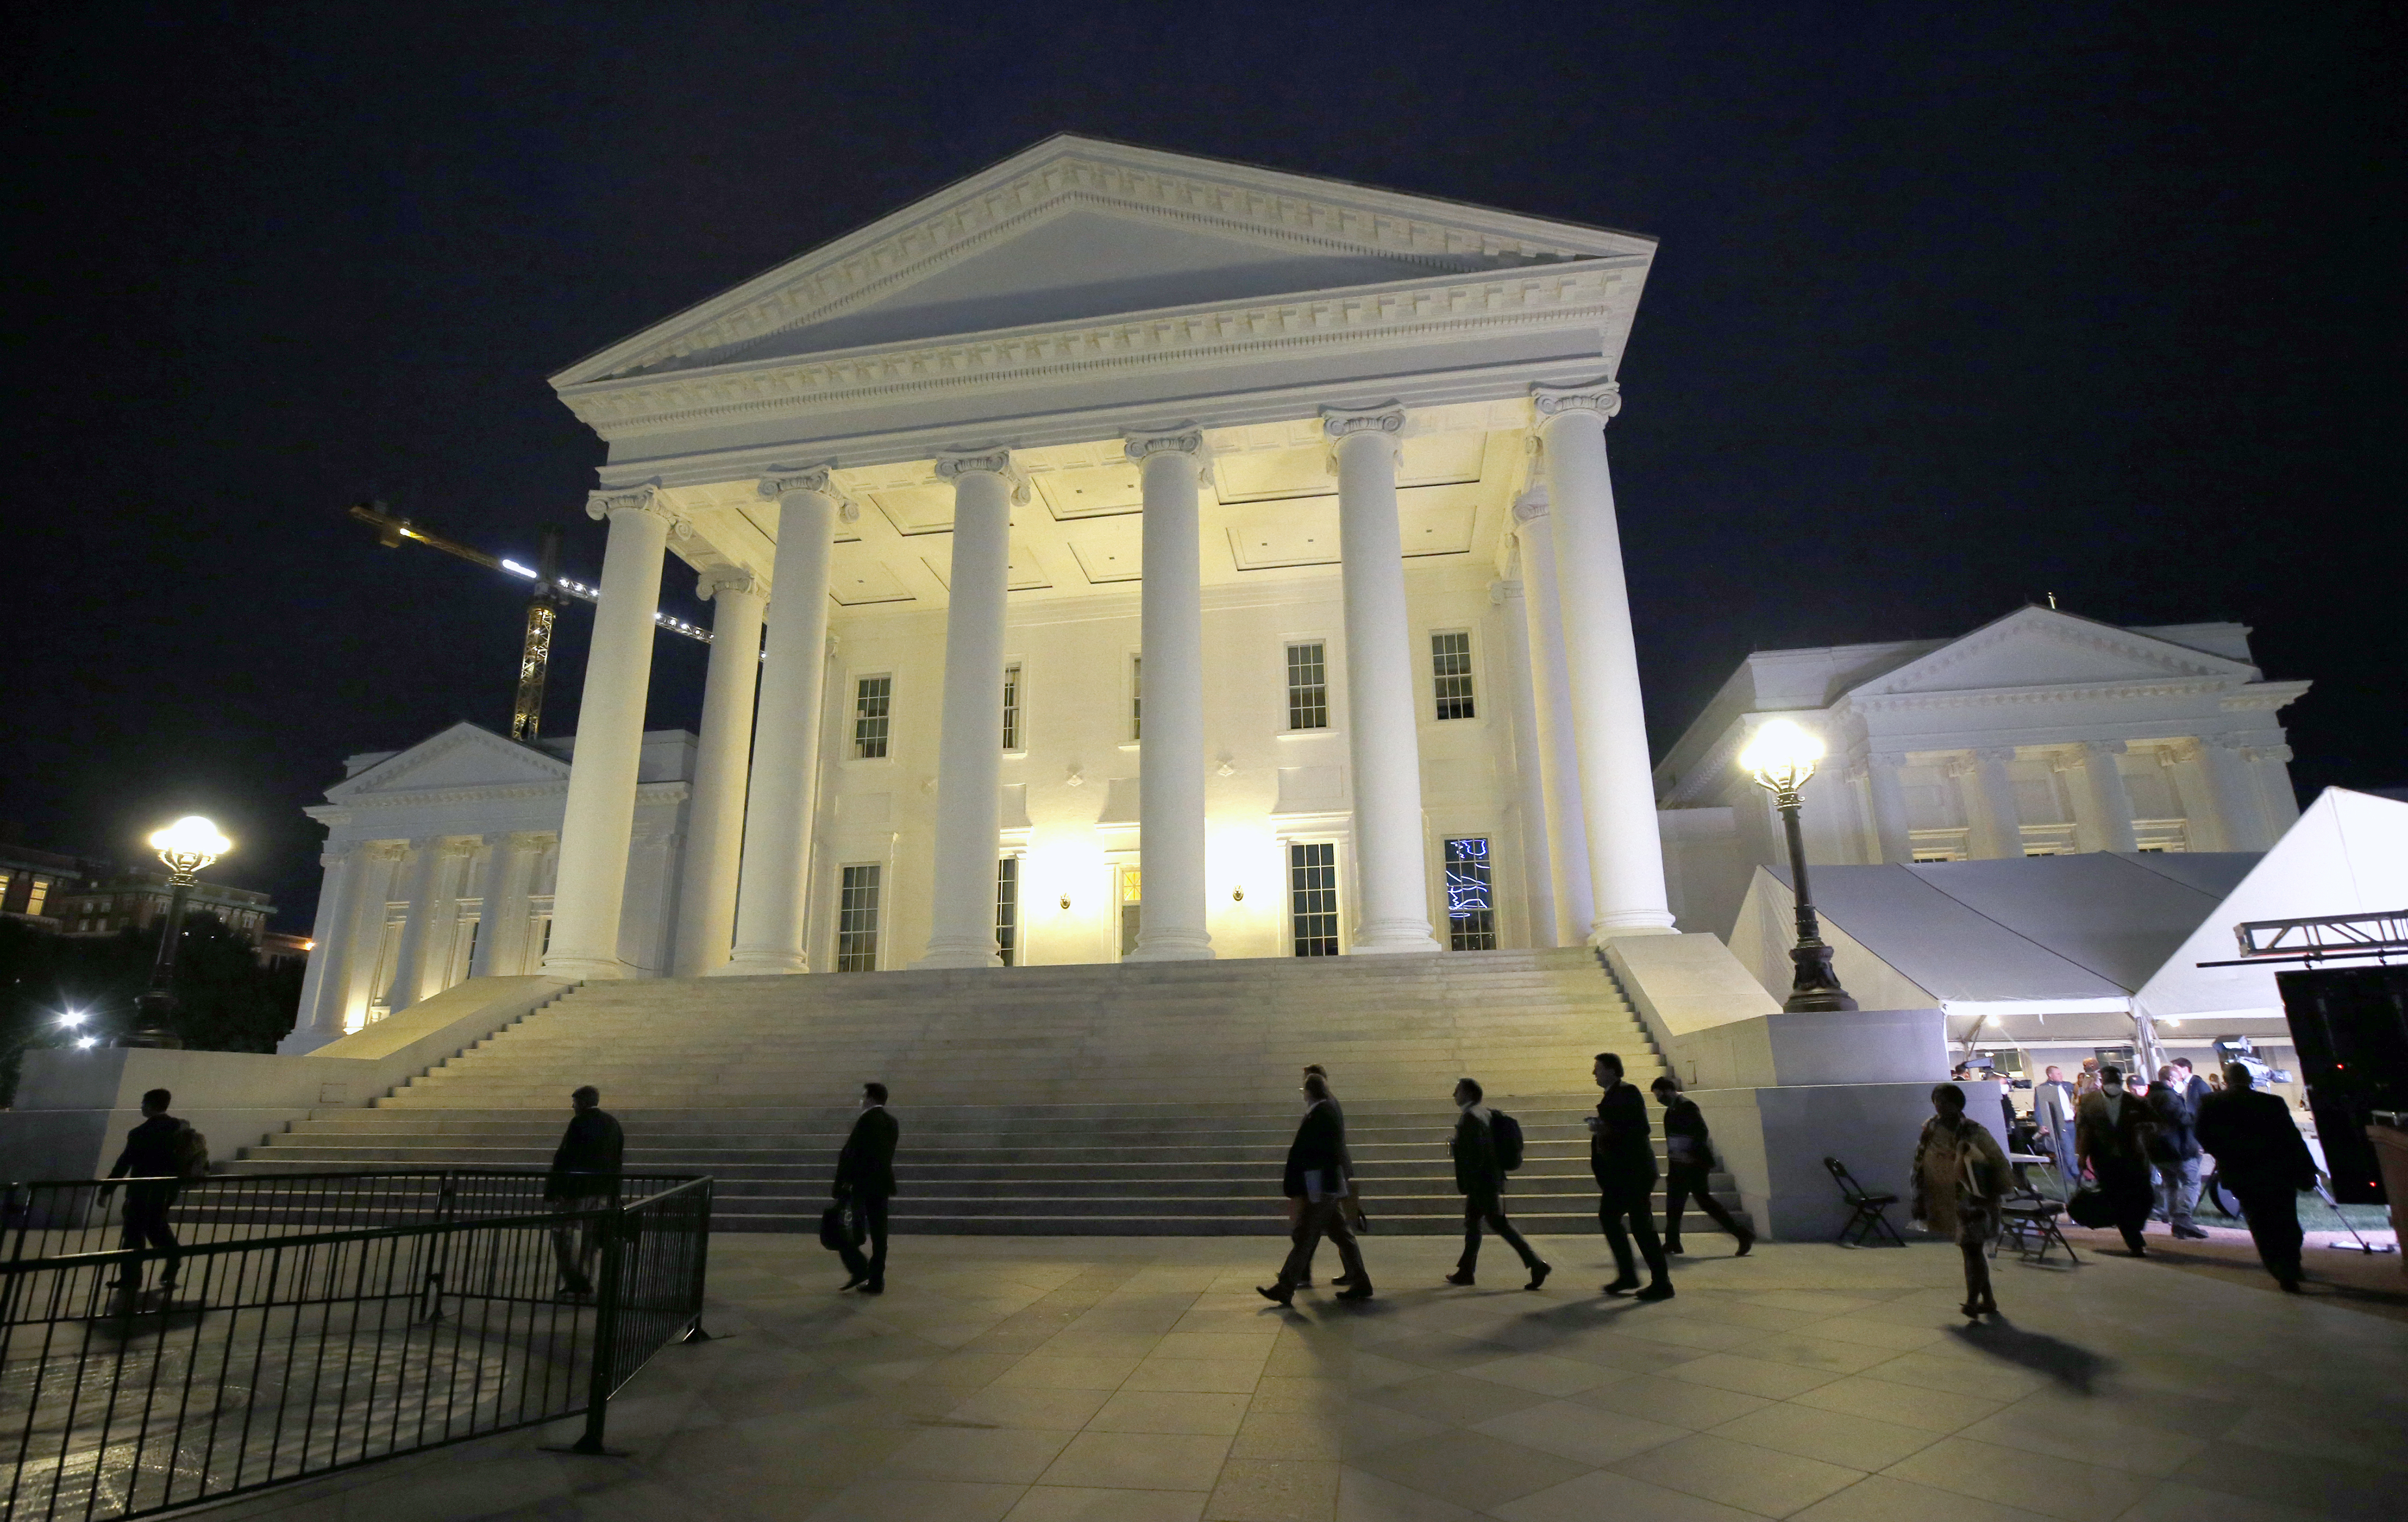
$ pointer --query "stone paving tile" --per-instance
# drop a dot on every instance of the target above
(1580, 1433)
(1471, 1469)
(1068, 1503)
(917, 1501)
(1677, 1401)
(1739, 1474)
(1030, 1406)
(1004, 1456)
(1605, 1496)
(1367, 1498)
(1859, 1442)
(1545, 1374)
(1169, 1410)
(1452, 1399)
(1274, 1490)
(1139, 1461)
(1882, 1498)
(2057, 1487)
(1750, 1376)
(1933, 1410)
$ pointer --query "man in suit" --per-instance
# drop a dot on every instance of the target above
(152, 1151)
(584, 1175)
(2053, 1112)
(1316, 1186)
(2175, 1152)
(1622, 1155)
(2110, 1131)
(2193, 1086)
(1480, 1176)
(1351, 1206)
(864, 1178)
(2262, 1159)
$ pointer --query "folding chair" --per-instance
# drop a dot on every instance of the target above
(1867, 1225)
(2031, 1219)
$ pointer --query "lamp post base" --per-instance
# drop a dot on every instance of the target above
(153, 1013)
(1814, 986)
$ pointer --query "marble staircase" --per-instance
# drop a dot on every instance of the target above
(1130, 1100)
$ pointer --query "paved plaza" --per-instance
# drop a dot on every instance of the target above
(1141, 1380)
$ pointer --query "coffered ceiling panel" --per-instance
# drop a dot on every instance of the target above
(917, 510)
(1110, 552)
(1024, 575)
(857, 577)
(1097, 492)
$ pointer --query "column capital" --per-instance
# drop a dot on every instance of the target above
(1994, 755)
(1602, 397)
(2221, 742)
(1530, 506)
(1338, 422)
(953, 465)
(713, 580)
(1185, 438)
(2268, 752)
(601, 505)
(780, 482)
(2102, 747)
(1892, 759)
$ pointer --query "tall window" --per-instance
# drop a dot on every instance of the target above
(873, 700)
(1137, 697)
(1450, 674)
(1312, 898)
(1132, 909)
(857, 920)
(1007, 907)
(37, 895)
(1011, 707)
(1307, 686)
(1470, 904)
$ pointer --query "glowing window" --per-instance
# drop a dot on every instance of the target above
(1312, 898)
(1307, 686)
(856, 921)
(1450, 674)
(1471, 903)
(873, 700)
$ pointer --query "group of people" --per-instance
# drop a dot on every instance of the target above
(1485, 1146)
(2141, 1151)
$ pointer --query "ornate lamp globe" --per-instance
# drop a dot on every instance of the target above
(1780, 755)
(189, 845)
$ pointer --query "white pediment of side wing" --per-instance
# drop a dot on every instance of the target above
(2041, 647)
(462, 759)
(1076, 230)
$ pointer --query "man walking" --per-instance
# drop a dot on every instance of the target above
(1622, 1155)
(1479, 1176)
(1351, 1205)
(2110, 1131)
(2175, 1149)
(1688, 1158)
(2053, 1112)
(2193, 1086)
(865, 1180)
(2261, 1157)
(156, 1149)
(1316, 1186)
(584, 1175)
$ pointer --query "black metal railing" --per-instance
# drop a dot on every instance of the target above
(307, 1337)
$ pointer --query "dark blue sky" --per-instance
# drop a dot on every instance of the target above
(1955, 307)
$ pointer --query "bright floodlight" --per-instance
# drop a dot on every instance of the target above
(85, 1043)
(73, 1017)
(1782, 756)
(189, 845)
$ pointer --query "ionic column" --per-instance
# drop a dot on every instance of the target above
(319, 1019)
(1889, 806)
(418, 931)
(2111, 805)
(1170, 748)
(969, 756)
(714, 827)
(769, 900)
(1381, 739)
(2241, 823)
(1997, 811)
(2276, 801)
(1531, 789)
(1609, 714)
(1567, 822)
(501, 913)
(600, 813)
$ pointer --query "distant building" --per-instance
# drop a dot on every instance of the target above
(108, 901)
(31, 883)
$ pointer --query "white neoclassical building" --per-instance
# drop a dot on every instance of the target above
(1145, 556)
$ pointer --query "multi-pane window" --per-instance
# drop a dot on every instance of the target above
(1137, 697)
(1007, 908)
(1132, 909)
(856, 921)
(37, 895)
(1011, 707)
(1307, 686)
(1471, 903)
(1312, 898)
(873, 701)
(1450, 674)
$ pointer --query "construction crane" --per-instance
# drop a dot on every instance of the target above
(543, 605)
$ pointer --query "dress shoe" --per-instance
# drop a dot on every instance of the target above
(1279, 1295)
(875, 1286)
(2191, 1233)
(1657, 1291)
(1623, 1285)
(1747, 1245)
(851, 1283)
(1356, 1292)
(1539, 1272)
(1340, 1282)
(1460, 1276)
(1672, 1248)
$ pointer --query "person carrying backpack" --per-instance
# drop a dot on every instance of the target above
(1485, 1145)
(1689, 1157)
(161, 1148)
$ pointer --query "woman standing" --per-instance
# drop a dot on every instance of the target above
(1960, 1176)
(1688, 1157)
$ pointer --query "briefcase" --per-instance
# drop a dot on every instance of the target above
(841, 1229)
(2090, 1207)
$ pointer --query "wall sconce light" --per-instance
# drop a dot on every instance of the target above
(1237, 894)
(1066, 900)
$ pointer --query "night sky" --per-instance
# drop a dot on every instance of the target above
(1955, 307)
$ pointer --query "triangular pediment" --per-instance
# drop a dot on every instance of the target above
(462, 757)
(1077, 230)
(2042, 647)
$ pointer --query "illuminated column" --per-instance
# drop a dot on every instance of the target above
(969, 755)
(599, 817)
(418, 931)
(1381, 739)
(1998, 801)
(2276, 801)
(1558, 759)
(769, 900)
(319, 1019)
(2111, 805)
(1171, 747)
(714, 825)
(501, 914)
(1531, 792)
(1889, 806)
(2241, 823)
(1609, 716)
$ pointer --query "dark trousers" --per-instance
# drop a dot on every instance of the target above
(1489, 1208)
(1680, 1181)
(1313, 1223)
(2129, 1195)
(873, 1218)
(146, 1225)
(1621, 1203)
(2273, 1210)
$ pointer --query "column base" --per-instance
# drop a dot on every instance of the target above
(585, 969)
(945, 959)
(765, 964)
(1647, 923)
(1191, 947)
(1394, 941)
(300, 1044)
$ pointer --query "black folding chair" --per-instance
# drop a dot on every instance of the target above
(1866, 1226)
(2030, 1218)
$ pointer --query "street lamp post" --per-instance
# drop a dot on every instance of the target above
(1781, 756)
(187, 847)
